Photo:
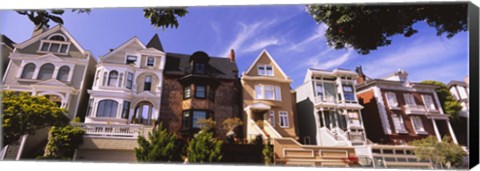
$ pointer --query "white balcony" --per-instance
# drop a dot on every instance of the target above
(111, 130)
(415, 109)
(325, 100)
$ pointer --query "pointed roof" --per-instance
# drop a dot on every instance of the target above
(8, 42)
(155, 43)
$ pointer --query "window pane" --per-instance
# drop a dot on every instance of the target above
(129, 80)
(146, 114)
(261, 70)
(200, 91)
(197, 115)
(347, 88)
(269, 70)
(278, 93)
(54, 47)
(63, 73)
(45, 46)
(186, 120)
(46, 72)
(272, 118)
(269, 92)
(131, 59)
(126, 109)
(107, 108)
(199, 68)
(283, 118)
(148, 83)
(57, 38)
(112, 78)
(187, 92)
(150, 61)
(63, 48)
(319, 89)
(258, 92)
(28, 71)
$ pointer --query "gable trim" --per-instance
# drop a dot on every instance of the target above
(273, 61)
(122, 46)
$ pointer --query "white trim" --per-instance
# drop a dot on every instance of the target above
(412, 118)
(122, 46)
(264, 51)
(436, 130)
(452, 133)
(265, 70)
(7, 70)
(381, 110)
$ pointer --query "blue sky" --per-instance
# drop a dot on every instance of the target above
(289, 34)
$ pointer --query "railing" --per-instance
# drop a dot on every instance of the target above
(110, 130)
(3, 152)
(328, 138)
(270, 130)
(342, 134)
(254, 130)
(397, 156)
(324, 99)
(414, 109)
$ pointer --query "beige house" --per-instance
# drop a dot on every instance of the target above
(267, 100)
(124, 101)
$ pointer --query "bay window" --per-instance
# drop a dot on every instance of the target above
(200, 91)
(112, 78)
(125, 109)
(187, 92)
(63, 73)
(107, 108)
(268, 92)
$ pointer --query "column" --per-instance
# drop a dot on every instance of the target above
(452, 134)
(436, 131)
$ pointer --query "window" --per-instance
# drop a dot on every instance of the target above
(354, 119)
(105, 74)
(57, 38)
(319, 89)
(186, 120)
(89, 108)
(272, 118)
(197, 115)
(112, 78)
(398, 123)
(187, 92)
(199, 68)
(283, 119)
(267, 92)
(126, 109)
(409, 100)
(129, 80)
(63, 73)
(107, 108)
(46, 72)
(148, 83)
(120, 80)
(28, 71)
(200, 91)
(417, 124)
(428, 102)
(143, 112)
(131, 59)
(348, 92)
(54, 47)
(391, 99)
(150, 61)
(266, 70)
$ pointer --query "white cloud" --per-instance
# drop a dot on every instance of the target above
(415, 55)
(318, 35)
(263, 44)
(246, 32)
(316, 62)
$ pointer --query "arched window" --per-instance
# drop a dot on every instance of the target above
(112, 78)
(28, 71)
(63, 73)
(148, 83)
(57, 38)
(46, 71)
(143, 113)
(107, 108)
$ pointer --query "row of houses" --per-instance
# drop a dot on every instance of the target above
(331, 116)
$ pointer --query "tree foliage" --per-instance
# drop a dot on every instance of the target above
(62, 142)
(41, 18)
(367, 27)
(160, 146)
(164, 17)
(23, 114)
(206, 124)
(204, 148)
(268, 154)
(231, 123)
(450, 105)
(444, 154)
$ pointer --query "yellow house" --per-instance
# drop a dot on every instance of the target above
(267, 100)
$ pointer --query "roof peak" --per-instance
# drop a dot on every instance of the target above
(155, 43)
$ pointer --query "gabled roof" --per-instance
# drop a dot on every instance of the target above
(49, 32)
(7, 41)
(155, 43)
(264, 51)
(122, 46)
(454, 82)
(179, 64)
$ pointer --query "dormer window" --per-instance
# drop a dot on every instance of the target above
(131, 59)
(265, 70)
(55, 43)
(150, 61)
(199, 68)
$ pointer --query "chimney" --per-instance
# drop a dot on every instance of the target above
(232, 55)
(37, 30)
(361, 76)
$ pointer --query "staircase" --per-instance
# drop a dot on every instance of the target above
(335, 137)
(10, 152)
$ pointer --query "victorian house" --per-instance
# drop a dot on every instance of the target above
(124, 101)
(268, 101)
(197, 87)
(460, 91)
(328, 109)
(53, 64)
(397, 111)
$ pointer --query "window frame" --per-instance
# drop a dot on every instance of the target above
(418, 118)
(125, 109)
(49, 46)
(345, 92)
(147, 62)
(115, 109)
(431, 106)
(263, 90)
(283, 115)
(23, 74)
(264, 71)
(189, 89)
(127, 60)
(401, 124)
(129, 82)
(392, 96)
(196, 91)
(271, 117)
(149, 83)
(67, 73)
(199, 70)
(112, 83)
(410, 98)
(40, 71)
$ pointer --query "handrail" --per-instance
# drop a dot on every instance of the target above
(257, 128)
(270, 127)
(343, 134)
(3, 152)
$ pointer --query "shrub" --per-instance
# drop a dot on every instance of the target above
(62, 142)
(204, 148)
(445, 153)
(160, 146)
(267, 154)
